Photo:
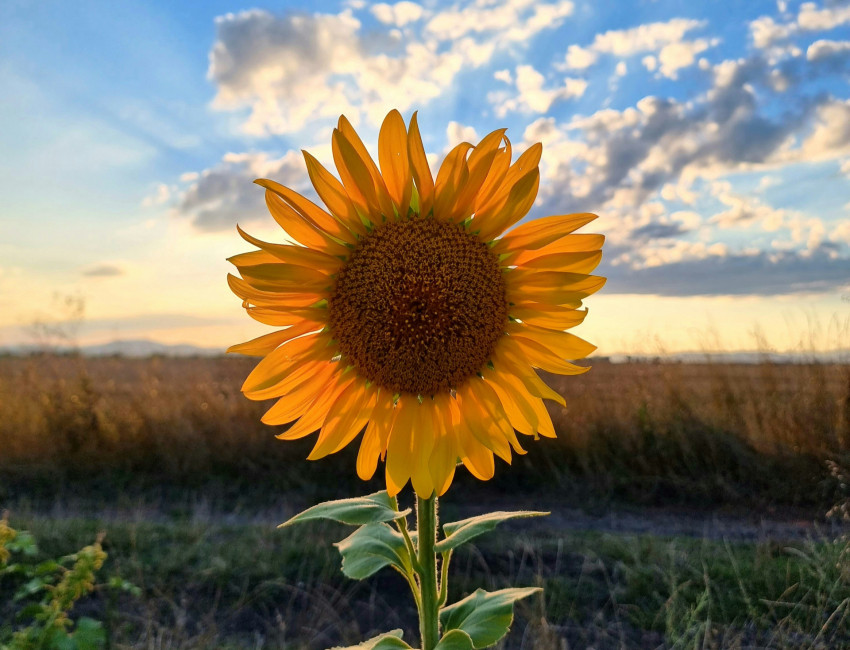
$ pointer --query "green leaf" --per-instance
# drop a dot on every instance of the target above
(460, 532)
(388, 641)
(485, 616)
(89, 634)
(371, 548)
(24, 542)
(30, 588)
(455, 640)
(371, 509)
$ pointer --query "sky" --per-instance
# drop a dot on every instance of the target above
(711, 138)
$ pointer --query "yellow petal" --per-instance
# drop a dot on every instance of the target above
(561, 344)
(480, 161)
(544, 428)
(539, 232)
(477, 458)
(550, 286)
(263, 345)
(575, 243)
(495, 177)
(489, 401)
(298, 255)
(423, 445)
(543, 358)
(505, 357)
(329, 228)
(551, 316)
(301, 230)
(315, 415)
(285, 277)
(520, 199)
(277, 364)
(400, 458)
(383, 197)
(583, 262)
(452, 176)
(346, 418)
(279, 317)
(375, 437)
(445, 454)
(419, 168)
(333, 194)
(312, 379)
(356, 178)
(292, 296)
(520, 414)
(395, 161)
(480, 422)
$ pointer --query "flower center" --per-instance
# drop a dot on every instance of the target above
(419, 306)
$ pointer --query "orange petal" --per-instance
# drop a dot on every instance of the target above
(292, 296)
(423, 446)
(298, 255)
(263, 345)
(333, 194)
(583, 262)
(491, 404)
(374, 441)
(399, 465)
(381, 193)
(309, 212)
(540, 232)
(419, 168)
(543, 358)
(495, 177)
(550, 286)
(278, 363)
(309, 380)
(284, 277)
(445, 454)
(561, 344)
(480, 161)
(451, 178)
(507, 358)
(520, 199)
(520, 414)
(278, 317)
(299, 228)
(395, 161)
(480, 422)
(346, 418)
(575, 243)
(318, 411)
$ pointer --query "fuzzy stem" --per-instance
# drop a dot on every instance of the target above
(429, 621)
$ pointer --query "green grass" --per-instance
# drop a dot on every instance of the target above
(249, 585)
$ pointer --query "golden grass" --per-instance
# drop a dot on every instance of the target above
(647, 431)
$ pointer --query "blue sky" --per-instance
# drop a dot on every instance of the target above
(713, 139)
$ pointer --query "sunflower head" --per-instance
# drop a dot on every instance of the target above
(411, 309)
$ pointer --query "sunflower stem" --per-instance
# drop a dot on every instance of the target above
(429, 621)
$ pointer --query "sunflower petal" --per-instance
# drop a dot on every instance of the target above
(549, 316)
(495, 177)
(419, 168)
(505, 357)
(491, 404)
(520, 199)
(423, 446)
(298, 255)
(540, 232)
(301, 389)
(400, 459)
(346, 418)
(383, 197)
(333, 195)
(574, 243)
(551, 287)
(395, 161)
(451, 178)
(278, 363)
(480, 422)
(374, 441)
(444, 457)
(561, 344)
(263, 345)
(313, 418)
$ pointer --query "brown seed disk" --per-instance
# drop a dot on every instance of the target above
(419, 306)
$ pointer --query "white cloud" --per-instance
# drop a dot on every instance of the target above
(398, 14)
(532, 96)
(161, 196)
(514, 20)
(824, 49)
(456, 133)
(644, 38)
(650, 62)
(621, 70)
(579, 58)
(675, 56)
(814, 19)
(294, 69)
(504, 76)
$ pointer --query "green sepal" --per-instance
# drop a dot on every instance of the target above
(371, 548)
(371, 509)
(455, 640)
(460, 532)
(485, 616)
(388, 641)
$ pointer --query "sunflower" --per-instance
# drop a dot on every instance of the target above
(408, 310)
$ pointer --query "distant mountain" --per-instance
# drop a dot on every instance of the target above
(740, 356)
(129, 348)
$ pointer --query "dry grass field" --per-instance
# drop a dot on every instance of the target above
(641, 432)
(169, 460)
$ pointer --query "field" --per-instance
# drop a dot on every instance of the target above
(169, 459)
